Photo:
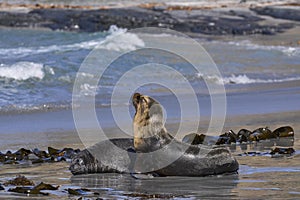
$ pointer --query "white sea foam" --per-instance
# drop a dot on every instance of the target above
(118, 39)
(290, 51)
(88, 90)
(22, 71)
(243, 79)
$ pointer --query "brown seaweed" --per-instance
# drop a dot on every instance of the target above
(262, 134)
(19, 180)
(28, 186)
(285, 131)
(37, 156)
(243, 136)
(282, 151)
(45, 186)
(27, 190)
(80, 191)
(227, 138)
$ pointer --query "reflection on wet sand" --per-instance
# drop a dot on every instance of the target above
(120, 185)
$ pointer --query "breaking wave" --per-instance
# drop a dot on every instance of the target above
(118, 39)
(290, 51)
(22, 71)
(243, 79)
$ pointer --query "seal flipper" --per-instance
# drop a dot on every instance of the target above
(136, 175)
(143, 176)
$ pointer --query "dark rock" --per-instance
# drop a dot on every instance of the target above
(213, 22)
(281, 12)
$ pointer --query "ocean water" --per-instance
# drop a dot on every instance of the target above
(38, 69)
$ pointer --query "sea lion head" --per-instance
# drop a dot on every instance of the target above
(148, 123)
(146, 108)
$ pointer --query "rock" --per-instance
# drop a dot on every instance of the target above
(212, 22)
(281, 12)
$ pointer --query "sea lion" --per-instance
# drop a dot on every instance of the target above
(149, 131)
(140, 154)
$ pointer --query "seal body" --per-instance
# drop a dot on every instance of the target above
(195, 160)
(140, 153)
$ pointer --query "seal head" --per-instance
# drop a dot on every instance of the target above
(150, 133)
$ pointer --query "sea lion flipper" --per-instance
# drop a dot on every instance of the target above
(144, 176)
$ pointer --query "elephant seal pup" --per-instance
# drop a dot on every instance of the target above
(140, 155)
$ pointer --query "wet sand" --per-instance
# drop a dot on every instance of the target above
(260, 177)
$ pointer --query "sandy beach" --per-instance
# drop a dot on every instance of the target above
(258, 175)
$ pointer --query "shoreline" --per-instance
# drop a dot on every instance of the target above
(70, 138)
(236, 19)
